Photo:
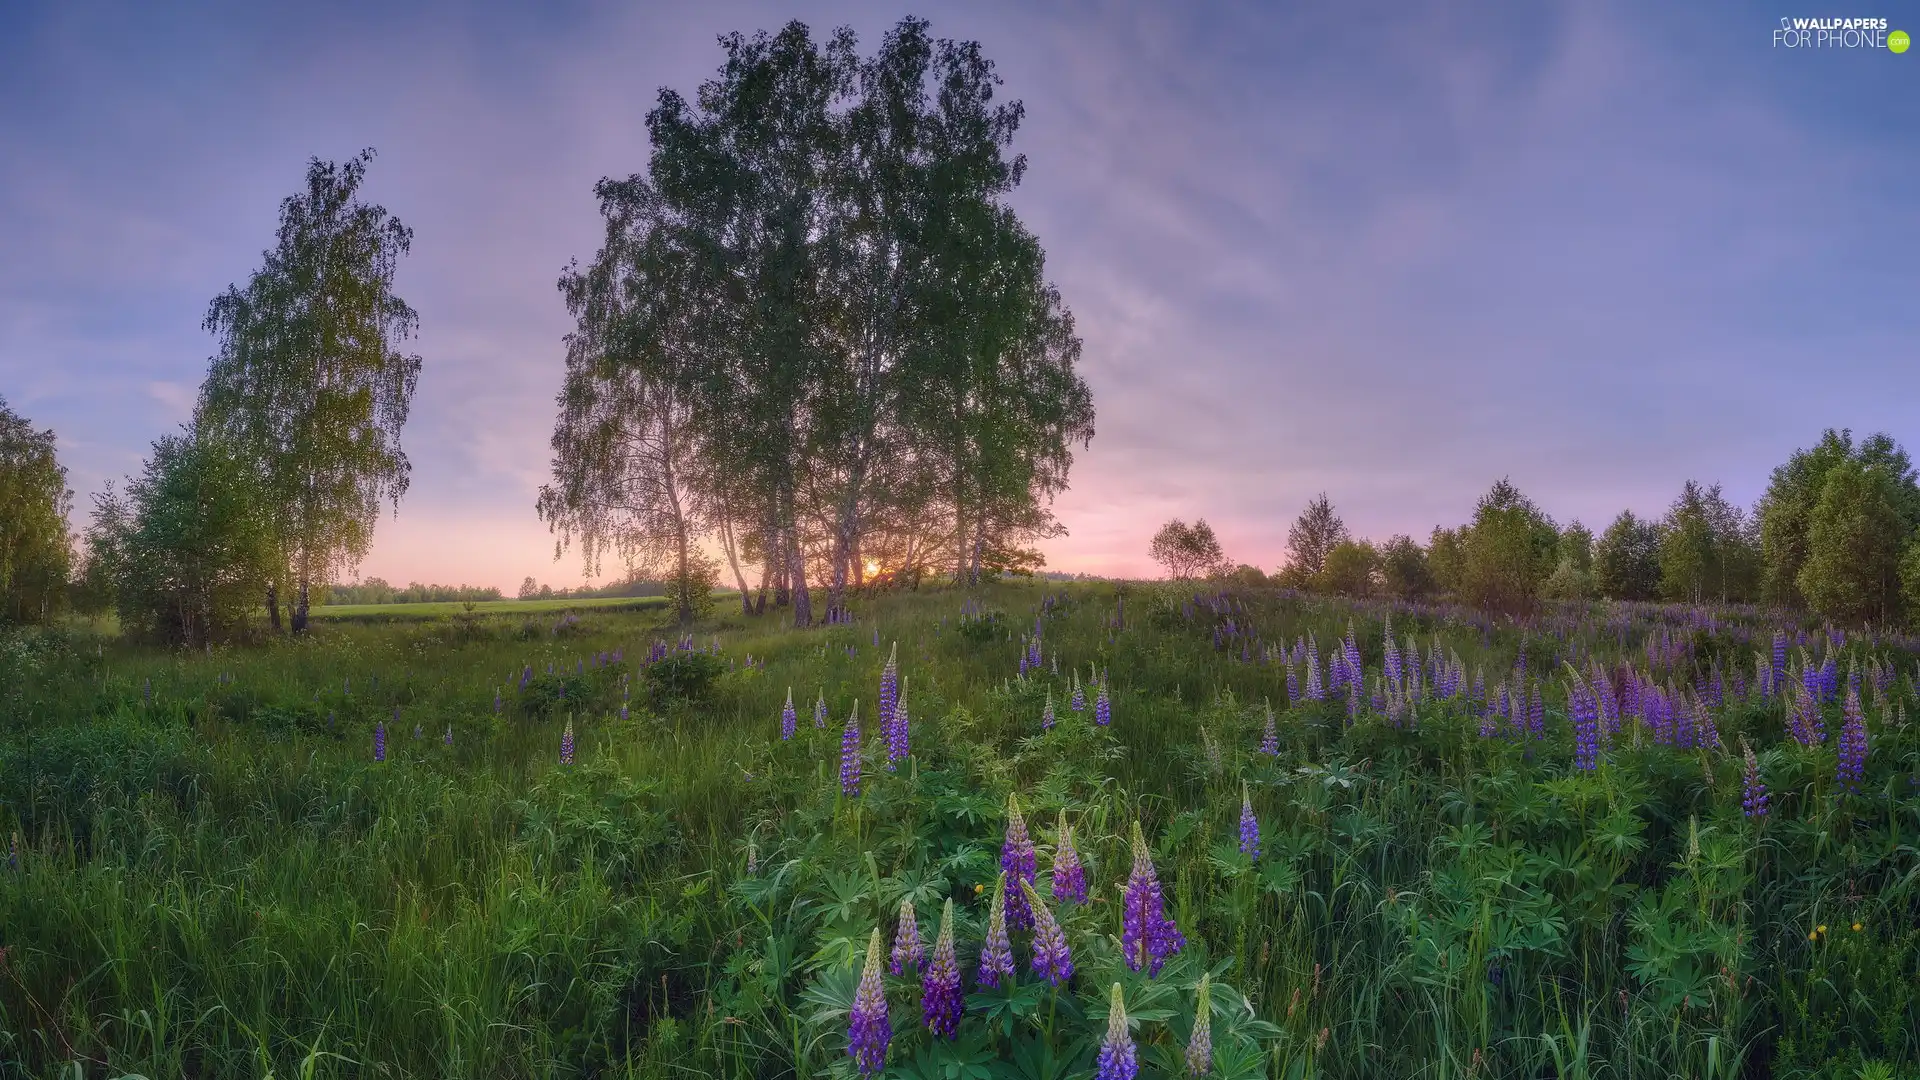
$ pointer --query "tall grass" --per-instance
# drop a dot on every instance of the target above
(216, 879)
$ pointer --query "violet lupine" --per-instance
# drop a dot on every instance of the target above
(908, 950)
(1018, 860)
(379, 742)
(566, 744)
(1046, 714)
(820, 709)
(889, 688)
(1078, 703)
(996, 953)
(899, 747)
(850, 755)
(1200, 1047)
(1069, 876)
(448, 737)
(868, 1029)
(1853, 744)
(1118, 1059)
(787, 717)
(1102, 707)
(1147, 937)
(1270, 735)
(1249, 826)
(941, 1002)
(1052, 960)
(1585, 714)
(1753, 795)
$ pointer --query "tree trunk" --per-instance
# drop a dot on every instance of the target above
(299, 621)
(273, 605)
(733, 559)
(683, 587)
(802, 602)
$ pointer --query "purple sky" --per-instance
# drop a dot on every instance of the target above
(1390, 251)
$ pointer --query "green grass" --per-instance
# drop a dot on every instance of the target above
(217, 880)
(438, 609)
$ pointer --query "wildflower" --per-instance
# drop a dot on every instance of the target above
(908, 950)
(889, 687)
(1856, 928)
(1584, 711)
(1079, 700)
(1046, 714)
(1270, 736)
(1148, 937)
(941, 1002)
(1102, 707)
(1118, 1060)
(1853, 744)
(1069, 877)
(1018, 860)
(820, 710)
(1200, 1047)
(566, 745)
(868, 1029)
(1753, 799)
(1249, 826)
(996, 954)
(850, 755)
(448, 737)
(895, 732)
(1052, 960)
(787, 717)
(496, 700)
(379, 742)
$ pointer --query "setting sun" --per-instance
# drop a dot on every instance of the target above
(872, 568)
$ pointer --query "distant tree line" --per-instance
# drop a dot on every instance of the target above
(377, 591)
(631, 587)
(817, 341)
(1837, 533)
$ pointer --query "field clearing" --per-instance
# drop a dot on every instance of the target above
(440, 609)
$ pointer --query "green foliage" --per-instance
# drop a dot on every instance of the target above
(1788, 511)
(683, 678)
(1188, 550)
(1405, 572)
(1626, 559)
(1855, 536)
(34, 504)
(1352, 568)
(1315, 533)
(308, 384)
(1507, 550)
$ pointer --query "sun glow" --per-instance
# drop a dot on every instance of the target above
(872, 567)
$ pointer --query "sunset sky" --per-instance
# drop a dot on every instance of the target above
(1393, 251)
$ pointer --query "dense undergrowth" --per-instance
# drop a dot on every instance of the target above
(215, 877)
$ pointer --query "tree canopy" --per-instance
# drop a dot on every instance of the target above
(35, 551)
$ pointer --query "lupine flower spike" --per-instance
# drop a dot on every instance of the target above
(1118, 1060)
(1017, 858)
(996, 954)
(379, 742)
(448, 737)
(1052, 960)
(868, 1029)
(1249, 826)
(850, 755)
(1200, 1048)
(1102, 707)
(566, 745)
(908, 950)
(1079, 702)
(940, 1000)
(1069, 876)
(820, 710)
(1046, 714)
(1148, 937)
(1270, 737)
(787, 717)
(1753, 798)
(1853, 744)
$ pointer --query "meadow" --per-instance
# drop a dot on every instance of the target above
(442, 609)
(1395, 840)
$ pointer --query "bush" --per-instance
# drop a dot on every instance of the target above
(683, 677)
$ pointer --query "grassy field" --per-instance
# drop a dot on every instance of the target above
(216, 878)
(482, 607)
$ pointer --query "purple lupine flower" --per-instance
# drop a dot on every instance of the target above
(1200, 1047)
(868, 1029)
(1078, 703)
(566, 745)
(908, 950)
(898, 746)
(1118, 1059)
(1102, 706)
(1069, 876)
(850, 755)
(379, 742)
(1753, 798)
(1046, 714)
(416, 731)
(1293, 686)
(1853, 744)
(1052, 960)
(996, 953)
(448, 737)
(1249, 826)
(1018, 860)
(1537, 714)
(1270, 735)
(941, 1002)
(1148, 937)
(787, 717)
(820, 709)
(623, 710)
(1585, 714)
(496, 700)
(889, 688)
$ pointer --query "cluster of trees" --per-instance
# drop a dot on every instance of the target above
(34, 503)
(377, 591)
(817, 338)
(631, 587)
(274, 487)
(1837, 532)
